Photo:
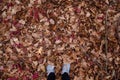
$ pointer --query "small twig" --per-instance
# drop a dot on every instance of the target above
(106, 37)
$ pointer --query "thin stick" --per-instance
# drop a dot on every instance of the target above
(106, 37)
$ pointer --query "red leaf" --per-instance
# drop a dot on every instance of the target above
(36, 14)
(57, 38)
(1, 19)
(15, 33)
(73, 36)
(101, 18)
(19, 45)
(1, 1)
(43, 12)
(15, 65)
(35, 75)
(25, 78)
(17, 24)
(9, 5)
(13, 78)
(77, 10)
(5, 21)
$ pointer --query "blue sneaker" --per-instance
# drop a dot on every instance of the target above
(66, 68)
(50, 68)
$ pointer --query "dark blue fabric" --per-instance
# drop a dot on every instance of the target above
(51, 76)
(65, 76)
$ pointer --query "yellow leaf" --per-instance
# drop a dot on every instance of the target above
(41, 67)
(40, 50)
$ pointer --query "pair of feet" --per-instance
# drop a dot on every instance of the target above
(65, 69)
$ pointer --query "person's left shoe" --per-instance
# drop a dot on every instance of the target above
(66, 68)
(50, 69)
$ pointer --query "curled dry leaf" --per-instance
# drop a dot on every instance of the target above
(35, 63)
(35, 35)
(1, 67)
(52, 21)
(84, 64)
(88, 14)
(14, 11)
(40, 50)
(9, 50)
(46, 23)
(22, 22)
(58, 41)
(100, 17)
(41, 67)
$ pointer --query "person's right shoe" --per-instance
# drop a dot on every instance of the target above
(50, 69)
(66, 68)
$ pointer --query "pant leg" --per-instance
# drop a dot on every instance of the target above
(65, 76)
(51, 76)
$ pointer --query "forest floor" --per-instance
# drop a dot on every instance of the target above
(35, 33)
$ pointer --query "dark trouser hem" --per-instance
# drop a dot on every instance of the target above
(51, 76)
(65, 76)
